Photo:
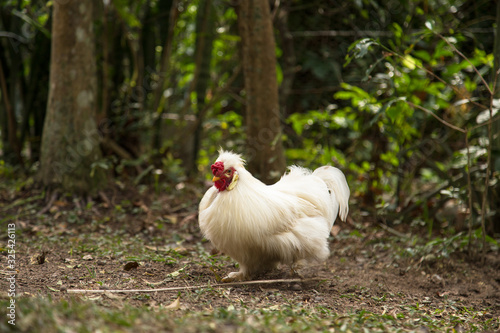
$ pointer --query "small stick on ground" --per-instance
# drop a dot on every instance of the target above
(53, 198)
(105, 198)
(393, 231)
(258, 282)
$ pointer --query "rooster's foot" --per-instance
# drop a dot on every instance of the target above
(235, 277)
(299, 269)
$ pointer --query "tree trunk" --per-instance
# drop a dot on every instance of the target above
(12, 146)
(495, 144)
(266, 159)
(205, 35)
(11, 89)
(167, 31)
(70, 140)
(288, 59)
(36, 95)
(496, 77)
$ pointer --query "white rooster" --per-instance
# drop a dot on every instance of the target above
(260, 226)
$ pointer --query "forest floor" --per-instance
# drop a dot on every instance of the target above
(377, 279)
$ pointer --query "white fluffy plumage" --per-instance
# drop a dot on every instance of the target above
(260, 226)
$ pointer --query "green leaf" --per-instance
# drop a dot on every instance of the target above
(363, 47)
(424, 55)
(430, 25)
(398, 31)
(410, 62)
(123, 9)
(279, 73)
(344, 95)
(38, 25)
(359, 49)
(392, 113)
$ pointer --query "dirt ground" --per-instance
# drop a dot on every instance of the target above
(96, 247)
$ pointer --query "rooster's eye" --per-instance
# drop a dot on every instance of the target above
(228, 172)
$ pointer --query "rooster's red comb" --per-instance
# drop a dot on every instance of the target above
(217, 168)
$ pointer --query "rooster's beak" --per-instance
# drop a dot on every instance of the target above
(215, 179)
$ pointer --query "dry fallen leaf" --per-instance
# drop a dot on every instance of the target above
(335, 230)
(189, 218)
(177, 272)
(113, 295)
(141, 205)
(38, 258)
(435, 278)
(442, 294)
(175, 305)
(171, 218)
(87, 257)
(153, 283)
(130, 265)
(156, 248)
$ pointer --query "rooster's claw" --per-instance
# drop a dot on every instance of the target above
(234, 277)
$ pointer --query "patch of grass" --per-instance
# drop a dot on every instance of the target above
(443, 247)
(77, 315)
(91, 271)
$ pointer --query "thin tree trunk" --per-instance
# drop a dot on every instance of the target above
(11, 120)
(495, 144)
(496, 76)
(158, 94)
(105, 73)
(11, 87)
(265, 154)
(35, 103)
(70, 140)
(289, 61)
(205, 35)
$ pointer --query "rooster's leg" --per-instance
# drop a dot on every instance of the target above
(298, 268)
(242, 275)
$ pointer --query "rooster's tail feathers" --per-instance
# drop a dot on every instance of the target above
(337, 184)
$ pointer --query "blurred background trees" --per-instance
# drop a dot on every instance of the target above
(399, 94)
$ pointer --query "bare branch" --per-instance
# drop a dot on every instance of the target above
(441, 120)
(428, 71)
(243, 283)
(466, 59)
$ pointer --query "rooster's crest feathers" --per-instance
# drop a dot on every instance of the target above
(230, 159)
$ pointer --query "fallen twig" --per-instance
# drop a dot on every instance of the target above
(393, 231)
(105, 198)
(82, 291)
(53, 198)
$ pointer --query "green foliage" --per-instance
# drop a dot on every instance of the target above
(37, 23)
(440, 81)
(388, 139)
(358, 50)
(6, 171)
(318, 146)
(128, 11)
(443, 247)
